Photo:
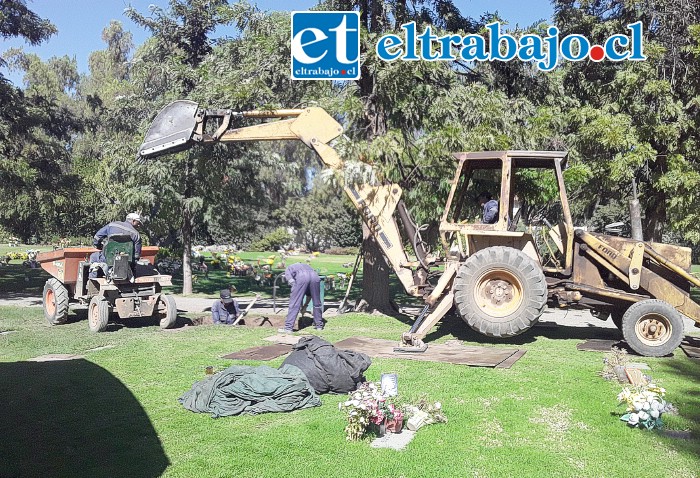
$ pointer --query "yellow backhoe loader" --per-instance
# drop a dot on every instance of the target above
(497, 277)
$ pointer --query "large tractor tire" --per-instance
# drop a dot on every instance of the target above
(652, 328)
(98, 314)
(55, 302)
(500, 291)
(166, 311)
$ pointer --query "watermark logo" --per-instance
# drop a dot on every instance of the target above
(546, 53)
(325, 45)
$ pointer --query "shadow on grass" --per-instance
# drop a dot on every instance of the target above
(116, 323)
(18, 278)
(689, 371)
(73, 418)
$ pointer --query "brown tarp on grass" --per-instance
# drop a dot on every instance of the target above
(457, 354)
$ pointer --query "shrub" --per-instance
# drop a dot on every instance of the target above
(343, 251)
(273, 241)
(169, 253)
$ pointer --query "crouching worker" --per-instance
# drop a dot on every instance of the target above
(128, 227)
(304, 281)
(225, 310)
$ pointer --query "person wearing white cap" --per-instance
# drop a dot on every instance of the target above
(127, 227)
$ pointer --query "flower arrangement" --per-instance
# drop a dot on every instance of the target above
(21, 256)
(424, 413)
(368, 409)
(360, 408)
(645, 405)
(614, 360)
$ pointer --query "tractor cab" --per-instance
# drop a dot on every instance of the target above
(533, 211)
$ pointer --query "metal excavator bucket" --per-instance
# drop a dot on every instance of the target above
(171, 131)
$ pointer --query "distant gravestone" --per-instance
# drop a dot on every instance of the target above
(394, 441)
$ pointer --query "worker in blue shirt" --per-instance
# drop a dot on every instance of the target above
(490, 205)
(225, 310)
(304, 281)
(128, 227)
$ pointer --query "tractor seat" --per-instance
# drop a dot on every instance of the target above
(119, 256)
(118, 244)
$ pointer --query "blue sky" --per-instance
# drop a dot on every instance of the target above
(80, 22)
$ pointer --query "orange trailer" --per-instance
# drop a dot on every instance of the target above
(139, 296)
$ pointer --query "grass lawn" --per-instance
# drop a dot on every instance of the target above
(115, 412)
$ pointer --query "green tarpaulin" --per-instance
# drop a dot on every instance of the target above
(243, 389)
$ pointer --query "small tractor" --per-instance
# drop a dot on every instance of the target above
(131, 288)
(499, 277)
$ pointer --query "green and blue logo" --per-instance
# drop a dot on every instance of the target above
(325, 45)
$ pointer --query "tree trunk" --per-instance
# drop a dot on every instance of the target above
(187, 251)
(636, 214)
(375, 276)
(655, 218)
(187, 230)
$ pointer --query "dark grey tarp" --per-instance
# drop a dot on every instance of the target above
(242, 389)
(328, 369)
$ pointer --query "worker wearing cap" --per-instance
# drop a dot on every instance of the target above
(304, 281)
(225, 310)
(128, 227)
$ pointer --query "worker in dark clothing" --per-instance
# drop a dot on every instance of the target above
(490, 205)
(225, 310)
(128, 227)
(304, 281)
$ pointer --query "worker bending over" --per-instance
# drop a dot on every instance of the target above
(304, 281)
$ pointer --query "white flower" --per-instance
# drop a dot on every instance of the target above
(634, 419)
(646, 406)
(637, 404)
(624, 395)
(438, 405)
(654, 414)
(643, 415)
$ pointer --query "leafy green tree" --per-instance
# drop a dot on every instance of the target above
(323, 218)
(639, 119)
(35, 168)
(31, 132)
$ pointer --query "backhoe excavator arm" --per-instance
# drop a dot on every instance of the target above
(182, 124)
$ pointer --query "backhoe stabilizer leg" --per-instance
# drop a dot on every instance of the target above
(413, 341)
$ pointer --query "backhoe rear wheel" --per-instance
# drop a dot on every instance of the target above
(500, 291)
(652, 328)
(55, 302)
(98, 314)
